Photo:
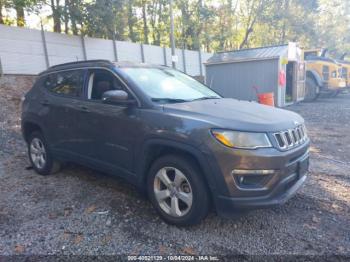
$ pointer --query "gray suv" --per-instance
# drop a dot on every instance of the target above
(189, 148)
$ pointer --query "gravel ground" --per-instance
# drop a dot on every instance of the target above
(80, 211)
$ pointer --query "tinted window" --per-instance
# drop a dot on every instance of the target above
(101, 81)
(69, 83)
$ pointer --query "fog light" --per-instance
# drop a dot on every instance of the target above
(252, 179)
(243, 172)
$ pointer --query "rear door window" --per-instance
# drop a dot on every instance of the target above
(67, 83)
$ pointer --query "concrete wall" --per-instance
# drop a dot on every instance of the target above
(22, 51)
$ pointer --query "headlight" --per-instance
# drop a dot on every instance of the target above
(244, 140)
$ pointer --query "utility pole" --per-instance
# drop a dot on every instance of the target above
(172, 38)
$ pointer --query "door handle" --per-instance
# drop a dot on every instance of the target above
(45, 103)
(84, 109)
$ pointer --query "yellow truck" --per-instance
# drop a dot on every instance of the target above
(345, 69)
(323, 75)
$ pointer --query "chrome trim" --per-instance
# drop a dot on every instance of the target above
(296, 136)
(243, 172)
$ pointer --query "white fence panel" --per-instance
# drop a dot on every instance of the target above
(25, 64)
(19, 33)
(153, 54)
(168, 56)
(178, 53)
(128, 51)
(179, 64)
(63, 48)
(99, 48)
(21, 50)
(192, 62)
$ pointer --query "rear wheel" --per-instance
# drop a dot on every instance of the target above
(40, 155)
(312, 90)
(177, 191)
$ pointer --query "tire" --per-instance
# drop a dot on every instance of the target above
(186, 183)
(336, 93)
(40, 156)
(312, 90)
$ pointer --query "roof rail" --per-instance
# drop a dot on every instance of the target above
(81, 62)
(245, 49)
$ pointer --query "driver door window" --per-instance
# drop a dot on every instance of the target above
(101, 81)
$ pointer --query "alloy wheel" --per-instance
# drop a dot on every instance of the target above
(38, 153)
(173, 191)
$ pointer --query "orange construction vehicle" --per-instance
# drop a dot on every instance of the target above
(323, 75)
(345, 64)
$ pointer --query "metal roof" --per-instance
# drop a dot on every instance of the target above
(343, 61)
(319, 58)
(258, 53)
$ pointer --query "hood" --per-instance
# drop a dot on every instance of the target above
(236, 114)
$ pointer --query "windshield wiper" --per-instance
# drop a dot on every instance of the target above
(206, 97)
(169, 100)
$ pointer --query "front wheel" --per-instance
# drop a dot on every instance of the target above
(177, 191)
(312, 90)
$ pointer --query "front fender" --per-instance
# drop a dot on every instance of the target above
(318, 79)
(189, 149)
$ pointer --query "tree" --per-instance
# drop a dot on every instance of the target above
(56, 15)
(131, 20)
(2, 5)
(75, 15)
(19, 7)
(144, 5)
(250, 12)
(333, 26)
(213, 25)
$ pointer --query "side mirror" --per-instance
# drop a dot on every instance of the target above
(119, 97)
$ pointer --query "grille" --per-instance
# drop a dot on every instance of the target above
(290, 138)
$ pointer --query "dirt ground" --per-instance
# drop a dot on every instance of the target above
(80, 211)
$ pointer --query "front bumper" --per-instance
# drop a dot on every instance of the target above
(286, 189)
(329, 87)
(290, 170)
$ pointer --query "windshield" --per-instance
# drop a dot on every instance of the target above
(168, 85)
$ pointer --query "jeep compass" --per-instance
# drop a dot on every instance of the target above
(190, 149)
